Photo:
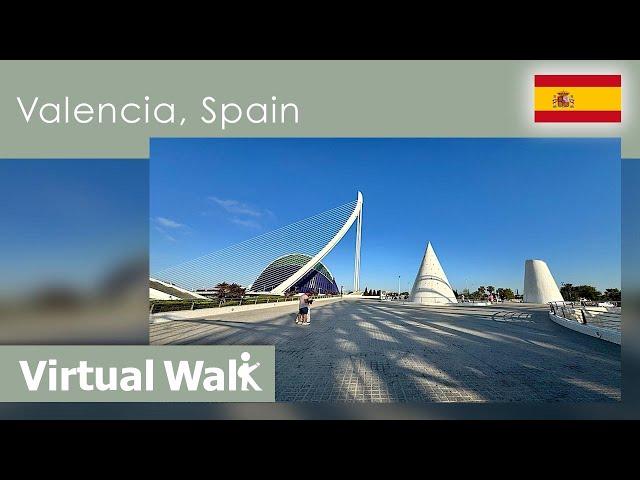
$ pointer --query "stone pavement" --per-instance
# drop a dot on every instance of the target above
(372, 351)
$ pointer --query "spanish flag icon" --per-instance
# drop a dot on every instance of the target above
(578, 98)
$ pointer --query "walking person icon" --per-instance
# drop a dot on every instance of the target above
(244, 372)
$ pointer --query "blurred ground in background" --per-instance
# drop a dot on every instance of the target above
(74, 252)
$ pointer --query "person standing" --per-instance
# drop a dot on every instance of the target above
(303, 309)
(299, 314)
(310, 294)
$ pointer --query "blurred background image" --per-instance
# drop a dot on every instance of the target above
(74, 251)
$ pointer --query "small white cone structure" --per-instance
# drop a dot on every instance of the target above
(539, 285)
(431, 285)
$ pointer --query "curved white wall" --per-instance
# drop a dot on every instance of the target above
(539, 285)
(158, 295)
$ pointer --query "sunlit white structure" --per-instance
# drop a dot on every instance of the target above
(159, 290)
(539, 285)
(431, 285)
(288, 259)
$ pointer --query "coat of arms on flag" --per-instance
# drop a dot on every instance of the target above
(578, 98)
(563, 99)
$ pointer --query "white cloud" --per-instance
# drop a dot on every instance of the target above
(246, 223)
(168, 223)
(168, 227)
(236, 207)
(165, 234)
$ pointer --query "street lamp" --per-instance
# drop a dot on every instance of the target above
(341, 287)
(398, 287)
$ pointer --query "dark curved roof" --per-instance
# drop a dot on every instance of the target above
(283, 267)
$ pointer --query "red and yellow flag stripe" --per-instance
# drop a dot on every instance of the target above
(578, 98)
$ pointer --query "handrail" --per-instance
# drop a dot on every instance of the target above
(178, 305)
(589, 313)
(591, 303)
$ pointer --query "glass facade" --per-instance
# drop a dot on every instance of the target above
(318, 279)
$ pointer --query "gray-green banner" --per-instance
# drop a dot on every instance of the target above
(110, 109)
(137, 374)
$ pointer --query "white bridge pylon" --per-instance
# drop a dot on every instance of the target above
(356, 268)
(313, 237)
(356, 215)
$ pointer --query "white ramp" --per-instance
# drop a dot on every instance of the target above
(431, 285)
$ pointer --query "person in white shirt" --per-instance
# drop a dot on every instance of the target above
(303, 309)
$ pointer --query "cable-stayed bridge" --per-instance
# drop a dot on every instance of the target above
(283, 258)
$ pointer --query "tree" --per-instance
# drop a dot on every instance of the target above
(366, 292)
(613, 294)
(587, 292)
(507, 294)
(379, 293)
(491, 289)
(222, 290)
(481, 291)
(567, 292)
(236, 291)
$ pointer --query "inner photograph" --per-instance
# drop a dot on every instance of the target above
(395, 269)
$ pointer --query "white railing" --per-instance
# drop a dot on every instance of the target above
(600, 314)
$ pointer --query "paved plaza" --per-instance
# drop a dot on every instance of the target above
(373, 351)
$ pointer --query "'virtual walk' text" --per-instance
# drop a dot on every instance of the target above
(180, 375)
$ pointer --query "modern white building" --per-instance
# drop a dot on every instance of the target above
(159, 290)
(539, 285)
(431, 286)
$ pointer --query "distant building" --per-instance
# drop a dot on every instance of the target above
(208, 292)
(318, 278)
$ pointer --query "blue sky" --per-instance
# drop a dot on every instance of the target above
(70, 222)
(486, 205)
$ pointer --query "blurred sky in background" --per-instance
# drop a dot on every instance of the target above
(70, 223)
(485, 204)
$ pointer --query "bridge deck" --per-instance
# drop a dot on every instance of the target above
(367, 350)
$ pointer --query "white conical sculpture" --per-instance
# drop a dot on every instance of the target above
(539, 285)
(431, 285)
